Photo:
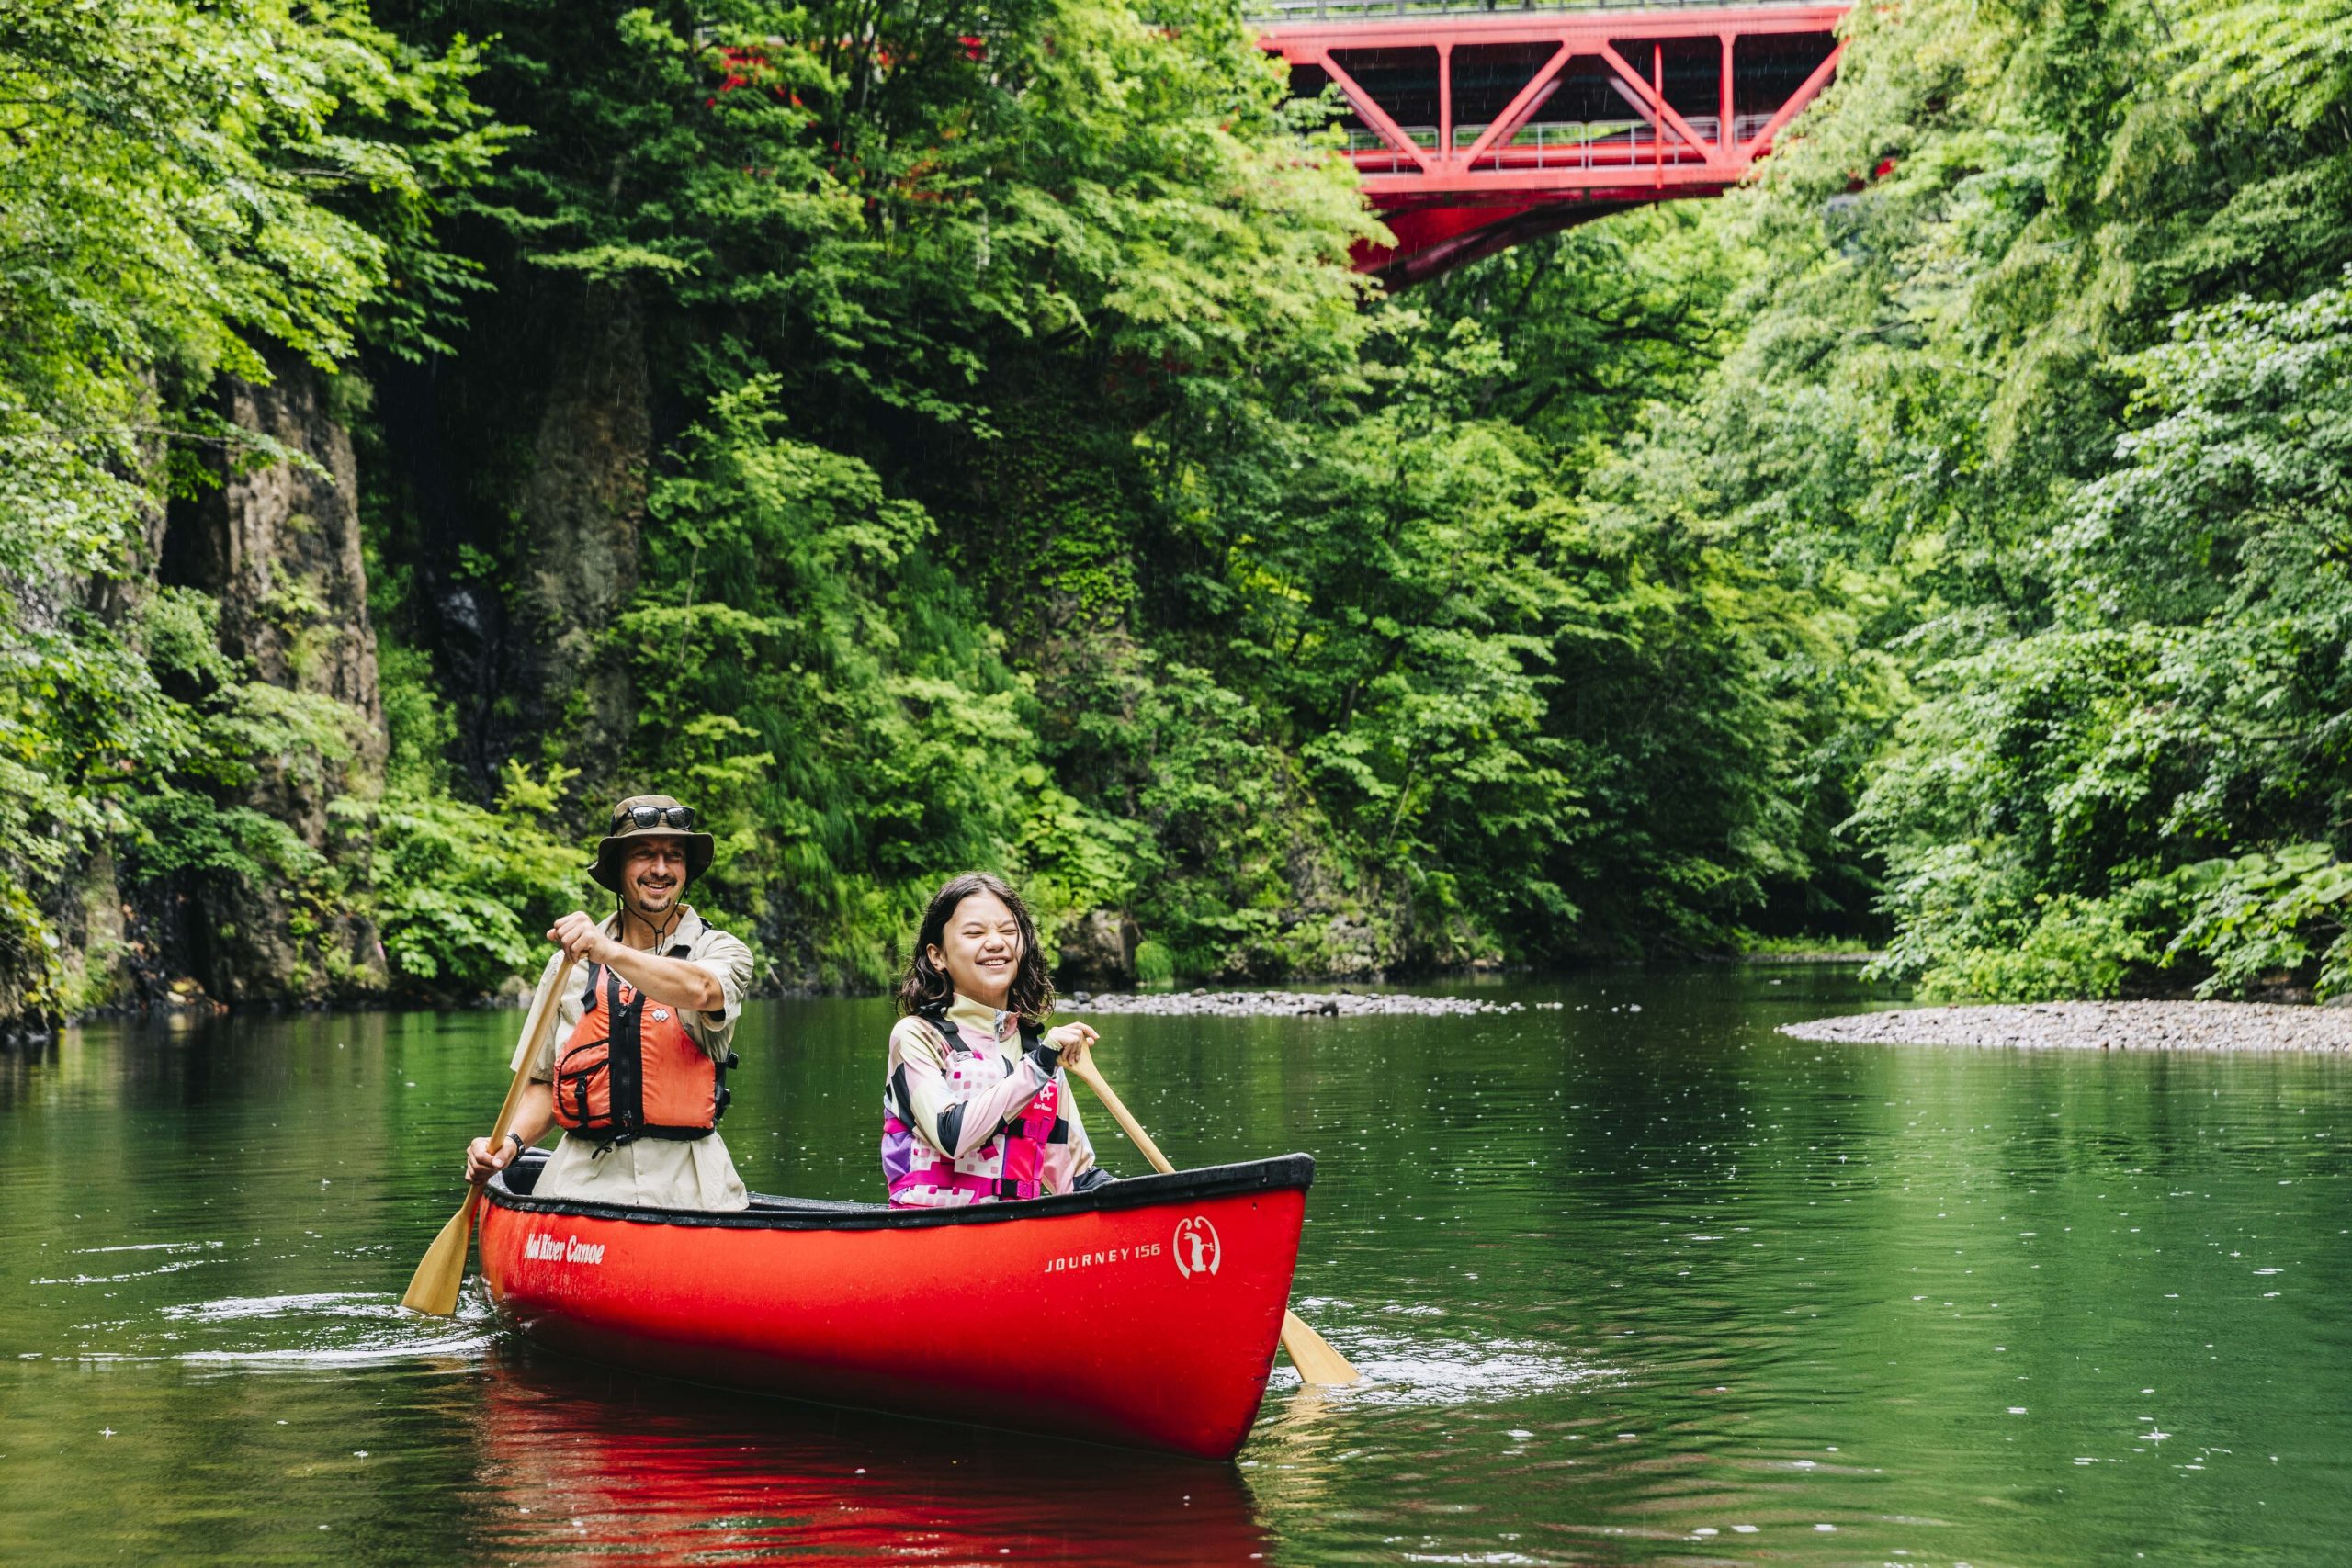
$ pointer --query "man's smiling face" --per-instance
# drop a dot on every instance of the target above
(653, 874)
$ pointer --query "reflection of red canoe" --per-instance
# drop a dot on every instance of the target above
(607, 1471)
(1144, 1312)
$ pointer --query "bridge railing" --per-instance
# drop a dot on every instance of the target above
(1277, 12)
(1557, 145)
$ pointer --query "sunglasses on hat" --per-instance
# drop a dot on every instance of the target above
(679, 817)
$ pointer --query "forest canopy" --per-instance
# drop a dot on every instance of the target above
(949, 437)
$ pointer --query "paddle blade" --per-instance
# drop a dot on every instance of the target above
(434, 1290)
(1316, 1361)
(1313, 1356)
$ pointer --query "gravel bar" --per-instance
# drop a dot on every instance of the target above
(2097, 1026)
(1285, 1004)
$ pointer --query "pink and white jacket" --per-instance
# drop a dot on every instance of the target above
(977, 1110)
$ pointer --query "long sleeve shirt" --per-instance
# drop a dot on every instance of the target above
(958, 1118)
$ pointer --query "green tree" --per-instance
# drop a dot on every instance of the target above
(187, 185)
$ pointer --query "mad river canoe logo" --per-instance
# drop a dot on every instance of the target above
(1197, 1251)
(568, 1249)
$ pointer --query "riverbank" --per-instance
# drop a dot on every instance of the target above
(2096, 1026)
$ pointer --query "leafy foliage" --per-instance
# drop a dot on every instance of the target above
(2073, 376)
(185, 185)
(1947, 538)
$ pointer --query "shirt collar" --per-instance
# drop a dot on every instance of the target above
(963, 1012)
(689, 931)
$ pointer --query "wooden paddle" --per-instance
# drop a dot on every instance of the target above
(435, 1288)
(1309, 1352)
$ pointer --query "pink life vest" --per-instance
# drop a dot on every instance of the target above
(1010, 1165)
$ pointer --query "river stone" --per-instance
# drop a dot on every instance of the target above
(2101, 1026)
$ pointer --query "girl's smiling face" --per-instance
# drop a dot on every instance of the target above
(980, 949)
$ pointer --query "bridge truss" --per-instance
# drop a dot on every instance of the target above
(1475, 128)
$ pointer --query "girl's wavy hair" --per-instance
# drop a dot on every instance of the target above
(926, 984)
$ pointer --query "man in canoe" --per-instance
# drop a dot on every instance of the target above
(635, 1070)
(975, 1104)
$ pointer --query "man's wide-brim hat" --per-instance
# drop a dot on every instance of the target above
(650, 816)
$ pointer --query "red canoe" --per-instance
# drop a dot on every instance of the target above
(1142, 1313)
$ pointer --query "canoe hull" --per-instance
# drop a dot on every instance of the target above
(1150, 1320)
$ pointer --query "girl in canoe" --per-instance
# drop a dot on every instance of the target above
(976, 1108)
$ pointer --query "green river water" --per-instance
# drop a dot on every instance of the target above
(1630, 1286)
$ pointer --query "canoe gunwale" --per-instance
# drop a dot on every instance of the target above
(1281, 1173)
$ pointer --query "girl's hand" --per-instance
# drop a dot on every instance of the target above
(1071, 1040)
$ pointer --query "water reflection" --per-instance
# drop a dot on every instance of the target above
(603, 1469)
(1631, 1288)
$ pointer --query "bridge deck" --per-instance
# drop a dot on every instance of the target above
(1476, 125)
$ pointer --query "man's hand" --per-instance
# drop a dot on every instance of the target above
(485, 1160)
(533, 1115)
(583, 940)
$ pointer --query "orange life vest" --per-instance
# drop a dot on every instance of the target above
(630, 1070)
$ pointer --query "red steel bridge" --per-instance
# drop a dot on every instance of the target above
(1476, 125)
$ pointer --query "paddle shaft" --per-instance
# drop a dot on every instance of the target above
(434, 1289)
(1309, 1352)
(1091, 1076)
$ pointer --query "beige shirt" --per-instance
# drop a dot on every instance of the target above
(656, 1173)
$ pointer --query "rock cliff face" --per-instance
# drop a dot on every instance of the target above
(583, 508)
(515, 490)
(278, 548)
(283, 548)
(1098, 950)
